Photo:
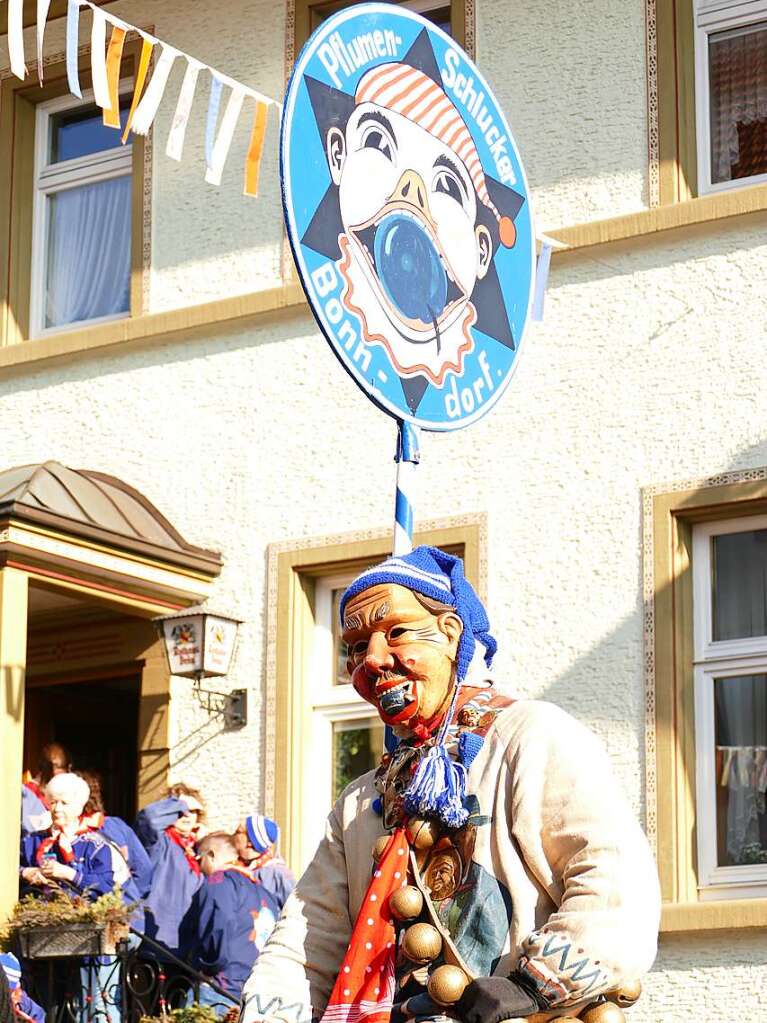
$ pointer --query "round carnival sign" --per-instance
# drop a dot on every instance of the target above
(407, 210)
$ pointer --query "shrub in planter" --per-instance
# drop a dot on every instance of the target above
(54, 925)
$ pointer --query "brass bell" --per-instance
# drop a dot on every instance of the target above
(446, 984)
(406, 903)
(422, 834)
(626, 994)
(421, 943)
(379, 846)
(603, 1012)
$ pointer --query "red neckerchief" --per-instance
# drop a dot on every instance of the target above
(57, 840)
(237, 869)
(186, 845)
(261, 861)
(365, 986)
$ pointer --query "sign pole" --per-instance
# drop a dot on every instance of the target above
(407, 458)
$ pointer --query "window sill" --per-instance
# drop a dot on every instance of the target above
(724, 914)
(705, 209)
(226, 312)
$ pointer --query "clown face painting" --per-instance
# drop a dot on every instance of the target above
(411, 218)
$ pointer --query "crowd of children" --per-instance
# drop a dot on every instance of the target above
(210, 899)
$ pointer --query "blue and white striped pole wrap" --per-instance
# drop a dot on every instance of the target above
(407, 458)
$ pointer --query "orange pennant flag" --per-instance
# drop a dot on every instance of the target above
(143, 67)
(114, 58)
(255, 149)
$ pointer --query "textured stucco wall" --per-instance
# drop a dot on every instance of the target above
(649, 367)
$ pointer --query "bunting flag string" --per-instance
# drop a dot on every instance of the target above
(224, 138)
(73, 38)
(214, 102)
(98, 58)
(148, 91)
(16, 37)
(177, 133)
(255, 148)
(138, 88)
(114, 57)
(147, 108)
(42, 17)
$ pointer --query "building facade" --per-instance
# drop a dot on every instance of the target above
(187, 435)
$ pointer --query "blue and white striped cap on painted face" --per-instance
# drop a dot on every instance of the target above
(436, 574)
(11, 968)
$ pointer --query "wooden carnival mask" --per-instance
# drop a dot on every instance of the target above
(402, 654)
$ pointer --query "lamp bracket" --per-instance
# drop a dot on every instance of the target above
(232, 706)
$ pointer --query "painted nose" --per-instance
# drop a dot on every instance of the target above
(411, 188)
(378, 658)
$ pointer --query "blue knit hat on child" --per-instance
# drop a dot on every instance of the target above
(263, 832)
(438, 786)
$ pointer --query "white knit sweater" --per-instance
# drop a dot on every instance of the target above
(561, 840)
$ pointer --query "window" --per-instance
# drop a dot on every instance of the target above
(345, 734)
(730, 650)
(57, 161)
(731, 93)
(319, 733)
(451, 16)
(705, 591)
(81, 248)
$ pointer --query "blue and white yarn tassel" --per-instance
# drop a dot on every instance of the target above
(407, 458)
(439, 784)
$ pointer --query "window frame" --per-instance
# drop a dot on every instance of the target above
(306, 14)
(51, 179)
(715, 659)
(329, 705)
(18, 103)
(669, 517)
(736, 14)
(295, 572)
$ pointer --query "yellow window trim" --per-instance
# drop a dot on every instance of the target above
(293, 573)
(670, 512)
(309, 14)
(18, 101)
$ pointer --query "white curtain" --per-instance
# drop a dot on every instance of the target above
(740, 599)
(89, 252)
(738, 83)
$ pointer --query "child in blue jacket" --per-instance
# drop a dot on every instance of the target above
(233, 915)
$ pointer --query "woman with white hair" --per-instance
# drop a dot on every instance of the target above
(74, 857)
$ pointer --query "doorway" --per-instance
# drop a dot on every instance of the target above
(97, 722)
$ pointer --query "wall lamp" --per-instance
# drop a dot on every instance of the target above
(200, 644)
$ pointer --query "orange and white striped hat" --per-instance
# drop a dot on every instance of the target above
(408, 91)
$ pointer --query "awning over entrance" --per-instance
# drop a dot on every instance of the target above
(85, 561)
(78, 527)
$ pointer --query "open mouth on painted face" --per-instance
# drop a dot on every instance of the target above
(410, 268)
(394, 695)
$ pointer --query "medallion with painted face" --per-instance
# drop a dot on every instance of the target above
(401, 654)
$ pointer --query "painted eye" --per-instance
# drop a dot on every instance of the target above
(397, 632)
(376, 138)
(357, 650)
(447, 182)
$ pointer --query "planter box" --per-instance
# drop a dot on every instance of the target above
(70, 940)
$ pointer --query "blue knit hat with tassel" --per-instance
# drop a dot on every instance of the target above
(439, 784)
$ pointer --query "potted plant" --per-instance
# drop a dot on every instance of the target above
(59, 925)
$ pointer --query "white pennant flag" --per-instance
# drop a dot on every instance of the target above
(99, 60)
(16, 38)
(177, 132)
(147, 108)
(42, 17)
(225, 133)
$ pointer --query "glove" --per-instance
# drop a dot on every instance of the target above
(492, 999)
